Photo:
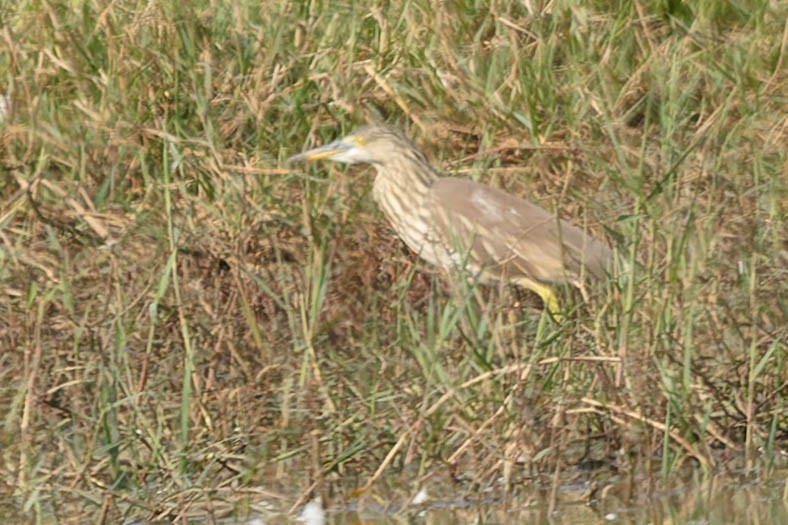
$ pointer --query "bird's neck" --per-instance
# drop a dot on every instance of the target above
(407, 177)
(401, 189)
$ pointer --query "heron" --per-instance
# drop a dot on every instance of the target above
(460, 224)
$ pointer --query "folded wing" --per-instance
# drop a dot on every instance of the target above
(512, 237)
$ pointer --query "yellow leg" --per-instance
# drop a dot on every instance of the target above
(550, 300)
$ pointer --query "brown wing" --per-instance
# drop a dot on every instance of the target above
(514, 237)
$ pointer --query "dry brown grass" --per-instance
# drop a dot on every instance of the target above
(187, 327)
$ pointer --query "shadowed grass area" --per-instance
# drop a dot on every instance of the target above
(188, 326)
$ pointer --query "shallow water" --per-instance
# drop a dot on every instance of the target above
(721, 499)
(718, 501)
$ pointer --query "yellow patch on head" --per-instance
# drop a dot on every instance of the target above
(358, 140)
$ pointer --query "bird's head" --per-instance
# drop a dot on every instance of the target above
(373, 144)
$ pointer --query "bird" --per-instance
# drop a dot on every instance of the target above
(459, 224)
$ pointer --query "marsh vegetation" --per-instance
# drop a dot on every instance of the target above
(188, 327)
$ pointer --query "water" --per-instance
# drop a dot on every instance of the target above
(717, 500)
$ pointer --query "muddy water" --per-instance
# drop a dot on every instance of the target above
(721, 499)
(716, 500)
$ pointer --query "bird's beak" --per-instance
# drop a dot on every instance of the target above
(326, 151)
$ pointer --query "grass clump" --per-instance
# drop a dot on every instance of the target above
(183, 320)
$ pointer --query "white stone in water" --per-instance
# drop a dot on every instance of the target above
(313, 513)
(5, 108)
(420, 497)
